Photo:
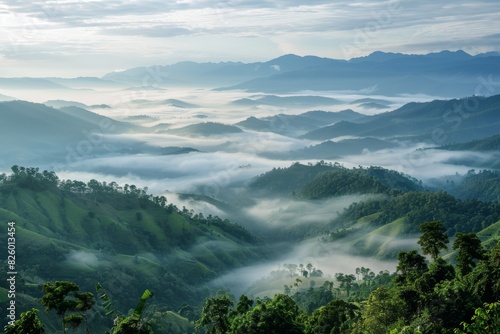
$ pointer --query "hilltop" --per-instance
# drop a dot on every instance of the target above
(120, 236)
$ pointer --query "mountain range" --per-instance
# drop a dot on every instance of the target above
(446, 74)
(438, 121)
(31, 131)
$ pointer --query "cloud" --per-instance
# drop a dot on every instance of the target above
(82, 257)
(279, 213)
(187, 173)
(166, 32)
(330, 258)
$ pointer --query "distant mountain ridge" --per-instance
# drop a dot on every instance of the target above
(439, 121)
(36, 132)
(446, 73)
(293, 125)
(204, 130)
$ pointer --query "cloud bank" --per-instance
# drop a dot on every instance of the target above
(93, 33)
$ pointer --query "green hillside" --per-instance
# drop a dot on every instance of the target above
(122, 237)
(323, 180)
(381, 226)
(483, 185)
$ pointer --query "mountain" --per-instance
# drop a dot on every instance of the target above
(180, 104)
(334, 150)
(286, 101)
(204, 130)
(374, 224)
(370, 100)
(30, 83)
(385, 223)
(62, 103)
(118, 236)
(482, 186)
(295, 125)
(324, 180)
(36, 132)
(172, 150)
(488, 144)
(373, 105)
(212, 74)
(447, 73)
(86, 83)
(5, 98)
(143, 103)
(440, 121)
(284, 181)
(80, 83)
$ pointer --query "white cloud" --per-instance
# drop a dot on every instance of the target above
(148, 32)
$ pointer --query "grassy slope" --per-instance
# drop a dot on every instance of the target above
(66, 237)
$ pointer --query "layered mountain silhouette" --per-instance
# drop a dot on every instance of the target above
(447, 73)
(294, 125)
(439, 121)
(204, 130)
(35, 132)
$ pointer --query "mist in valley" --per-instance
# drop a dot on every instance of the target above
(209, 172)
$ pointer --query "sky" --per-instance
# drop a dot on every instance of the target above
(69, 38)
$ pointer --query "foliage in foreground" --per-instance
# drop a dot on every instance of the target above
(422, 297)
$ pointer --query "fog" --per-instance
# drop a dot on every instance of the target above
(330, 258)
(226, 163)
(83, 257)
(284, 213)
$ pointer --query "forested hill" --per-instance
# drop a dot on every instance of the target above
(326, 180)
(120, 236)
(488, 144)
(483, 185)
(371, 225)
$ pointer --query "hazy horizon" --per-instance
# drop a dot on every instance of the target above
(71, 39)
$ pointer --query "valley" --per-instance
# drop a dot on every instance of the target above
(195, 180)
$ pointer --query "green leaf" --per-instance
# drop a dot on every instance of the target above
(142, 303)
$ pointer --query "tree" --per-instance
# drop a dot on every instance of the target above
(64, 297)
(485, 278)
(132, 324)
(411, 265)
(485, 320)
(469, 249)
(214, 315)
(276, 316)
(244, 304)
(28, 323)
(346, 281)
(138, 215)
(335, 317)
(381, 311)
(433, 238)
(438, 272)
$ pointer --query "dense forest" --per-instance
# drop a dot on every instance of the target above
(118, 236)
(100, 257)
(424, 295)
